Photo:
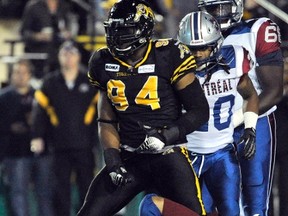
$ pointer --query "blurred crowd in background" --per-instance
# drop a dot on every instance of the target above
(81, 21)
(40, 30)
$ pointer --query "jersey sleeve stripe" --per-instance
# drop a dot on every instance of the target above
(188, 64)
(90, 113)
(94, 82)
(44, 102)
(246, 65)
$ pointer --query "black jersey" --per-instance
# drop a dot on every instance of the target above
(67, 112)
(144, 92)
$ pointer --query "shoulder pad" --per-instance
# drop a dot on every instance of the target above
(259, 21)
(100, 53)
(250, 22)
(174, 45)
(95, 67)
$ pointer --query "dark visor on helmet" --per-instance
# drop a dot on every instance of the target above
(220, 10)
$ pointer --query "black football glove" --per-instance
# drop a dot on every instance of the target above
(249, 141)
(115, 168)
(156, 139)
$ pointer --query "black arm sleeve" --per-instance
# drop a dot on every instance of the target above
(197, 109)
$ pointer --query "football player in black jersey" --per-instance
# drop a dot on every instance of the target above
(144, 85)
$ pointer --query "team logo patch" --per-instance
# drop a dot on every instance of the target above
(161, 43)
(143, 10)
(147, 68)
(112, 67)
(183, 50)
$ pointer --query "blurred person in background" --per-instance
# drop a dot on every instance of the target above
(21, 165)
(44, 27)
(66, 109)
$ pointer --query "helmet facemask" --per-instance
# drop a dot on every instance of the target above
(227, 12)
(207, 64)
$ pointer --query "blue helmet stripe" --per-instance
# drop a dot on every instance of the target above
(196, 27)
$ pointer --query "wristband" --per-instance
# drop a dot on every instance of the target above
(238, 117)
(250, 119)
(170, 135)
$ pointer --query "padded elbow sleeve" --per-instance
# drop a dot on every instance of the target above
(197, 109)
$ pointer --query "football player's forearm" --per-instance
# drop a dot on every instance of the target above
(271, 80)
(196, 105)
(108, 136)
(267, 100)
(252, 103)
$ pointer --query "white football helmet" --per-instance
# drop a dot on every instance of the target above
(200, 30)
(227, 12)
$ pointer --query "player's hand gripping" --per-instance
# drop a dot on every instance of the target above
(115, 168)
(156, 138)
(153, 141)
(249, 141)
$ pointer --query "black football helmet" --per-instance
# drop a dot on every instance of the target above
(129, 26)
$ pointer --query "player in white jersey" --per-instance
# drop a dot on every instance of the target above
(222, 72)
(261, 37)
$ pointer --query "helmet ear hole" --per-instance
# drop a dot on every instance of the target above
(135, 19)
